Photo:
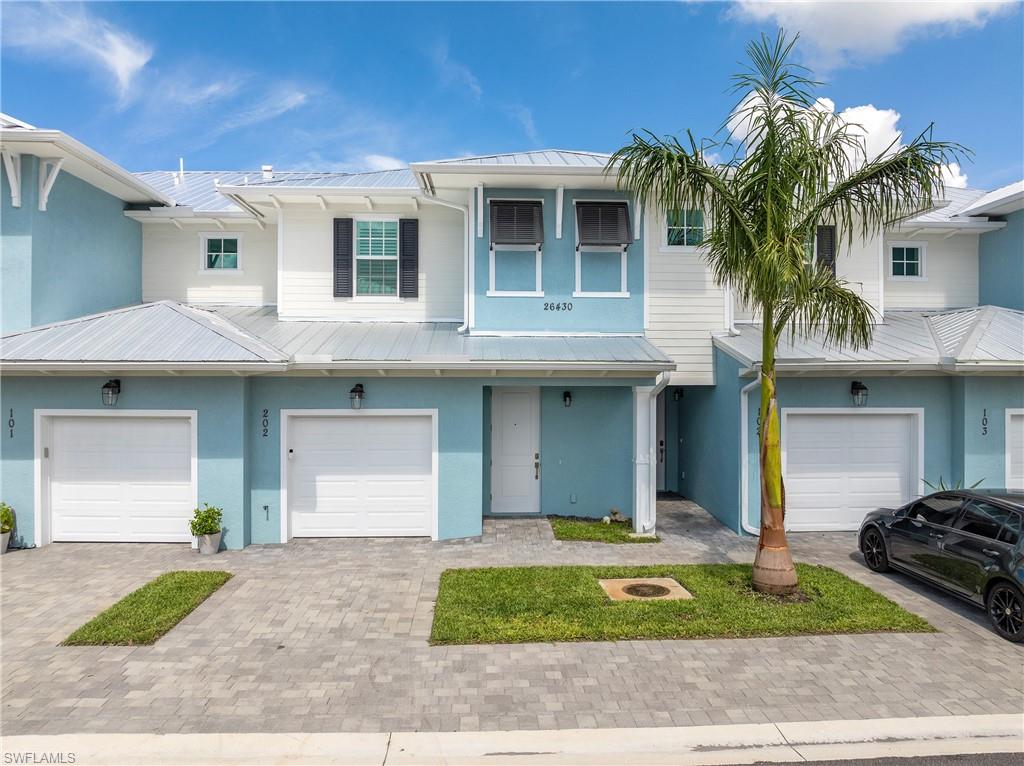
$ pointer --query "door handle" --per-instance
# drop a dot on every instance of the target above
(936, 535)
(536, 466)
(989, 552)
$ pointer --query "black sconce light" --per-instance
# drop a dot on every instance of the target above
(859, 392)
(356, 396)
(567, 398)
(110, 391)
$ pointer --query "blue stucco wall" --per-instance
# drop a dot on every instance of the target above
(982, 425)
(709, 442)
(221, 433)
(82, 239)
(1001, 264)
(586, 451)
(516, 271)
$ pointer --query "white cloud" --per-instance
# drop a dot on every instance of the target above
(953, 177)
(75, 34)
(837, 33)
(524, 116)
(454, 73)
(380, 162)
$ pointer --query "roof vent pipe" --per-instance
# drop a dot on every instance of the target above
(268, 172)
(181, 170)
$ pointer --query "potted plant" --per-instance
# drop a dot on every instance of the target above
(205, 525)
(6, 525)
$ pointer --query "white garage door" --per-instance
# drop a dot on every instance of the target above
(121, 479)
(840, 466)
(1015, 449)
(360, 476)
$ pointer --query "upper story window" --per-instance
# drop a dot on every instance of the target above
(376, 255)
(906, 260)
(516, 243)
(684, 228)
(603, 234)
(820, 248)
(220, 253)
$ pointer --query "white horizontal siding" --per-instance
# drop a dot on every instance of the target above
(172, 261)
(684, 306)
(951, 274)
(307, 270)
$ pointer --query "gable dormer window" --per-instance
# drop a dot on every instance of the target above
(516, 244)
(603, 234)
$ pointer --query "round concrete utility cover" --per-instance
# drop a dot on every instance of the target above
(646, 590)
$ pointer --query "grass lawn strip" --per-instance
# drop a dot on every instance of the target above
(542, 604)
(595, 530)
(144, 615)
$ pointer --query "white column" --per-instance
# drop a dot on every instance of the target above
(644, 465)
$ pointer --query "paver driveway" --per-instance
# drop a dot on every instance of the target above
(331, 635)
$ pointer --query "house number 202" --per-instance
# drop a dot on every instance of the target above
(265, 423)
(984, 422)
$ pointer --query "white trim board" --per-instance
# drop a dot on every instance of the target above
(41, 432)
(285, 414)
(1011, 412)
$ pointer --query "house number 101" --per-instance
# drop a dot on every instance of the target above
(10, 423)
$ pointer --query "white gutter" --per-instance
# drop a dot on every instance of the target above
(466, 243)
(745, 460)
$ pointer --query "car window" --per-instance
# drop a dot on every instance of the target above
(936, 509)
(1012, 529)
(982, 519)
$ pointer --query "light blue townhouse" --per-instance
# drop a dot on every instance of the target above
(407, 352)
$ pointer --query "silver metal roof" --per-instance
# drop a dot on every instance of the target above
(437, 344)
(197, 189)
(161, 332)
(958, 199)
(538, 158)
(958, 340)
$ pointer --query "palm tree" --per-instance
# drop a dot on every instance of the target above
(794, 166)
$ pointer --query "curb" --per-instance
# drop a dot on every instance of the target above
(677, 745)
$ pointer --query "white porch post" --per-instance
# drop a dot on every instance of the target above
(645, 482)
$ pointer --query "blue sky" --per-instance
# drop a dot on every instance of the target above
(354, 86)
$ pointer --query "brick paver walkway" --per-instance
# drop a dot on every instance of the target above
(331, 635)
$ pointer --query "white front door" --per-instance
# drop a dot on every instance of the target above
(515, 450)
(1015, 449)
(364, 475)
(839, 466)
(120, 478)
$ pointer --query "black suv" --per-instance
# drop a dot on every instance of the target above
(968, 542)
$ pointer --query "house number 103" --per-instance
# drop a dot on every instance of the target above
(984, 422)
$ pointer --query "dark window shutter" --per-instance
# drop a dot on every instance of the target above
(603, 223)
(408, 257)
(517, 223)
(827, 247)
(342, 257)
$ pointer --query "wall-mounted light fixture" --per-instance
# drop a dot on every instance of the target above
(356, 396)
(110, 391)
(677, 394)
(859, 392)
(567, 398)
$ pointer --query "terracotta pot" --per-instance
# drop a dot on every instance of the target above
(210, 544)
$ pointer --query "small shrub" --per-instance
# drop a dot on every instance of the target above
(6, 518)
(207, 520)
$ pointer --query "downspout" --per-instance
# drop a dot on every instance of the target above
(745, 459)
(730, 310)
(431, 197)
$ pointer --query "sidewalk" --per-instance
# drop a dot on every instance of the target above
(679, 746)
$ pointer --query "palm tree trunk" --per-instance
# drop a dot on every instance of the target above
(773, 565)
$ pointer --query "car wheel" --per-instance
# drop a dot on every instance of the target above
(1006, 611)
(873, 547)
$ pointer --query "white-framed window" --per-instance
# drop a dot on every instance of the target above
(602, 269)
(907, 260)
(683, 228)
(376, 257)
(515, 252)
(221, 253)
